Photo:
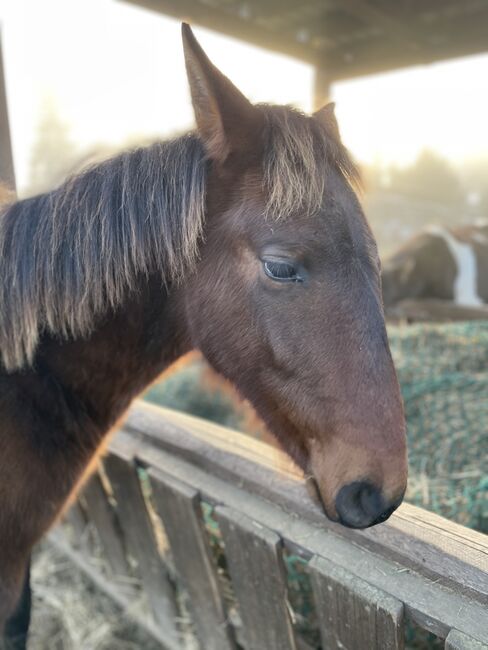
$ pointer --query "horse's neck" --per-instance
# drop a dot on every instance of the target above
(122, 356)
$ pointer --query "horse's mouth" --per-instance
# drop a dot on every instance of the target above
(354, 523)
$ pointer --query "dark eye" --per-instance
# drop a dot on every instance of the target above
(282, 271)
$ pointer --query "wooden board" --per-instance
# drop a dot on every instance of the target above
(77, 522)
(431, 604)
(141, 542)
(459, 641)
(353, 614)
(436, 547)
(256, 568)
(178, 505)
(103, 517)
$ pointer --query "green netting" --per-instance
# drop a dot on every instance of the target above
(443, 372)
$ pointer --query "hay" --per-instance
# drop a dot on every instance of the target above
(70, 614)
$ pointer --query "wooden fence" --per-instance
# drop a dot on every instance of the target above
(184, 473)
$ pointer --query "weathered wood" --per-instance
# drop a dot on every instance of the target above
(103, 517)
(429, 603)
(353, 614)
(435, 547)
(178, 505)
(76, 519)
(7, 174)
(258, 577)
(459, 641)
(433, 310)
(141, 541)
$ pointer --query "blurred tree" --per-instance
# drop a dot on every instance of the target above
(53, 154)
(429, 178)
(373, 177)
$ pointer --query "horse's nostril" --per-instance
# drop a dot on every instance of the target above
(360, 504)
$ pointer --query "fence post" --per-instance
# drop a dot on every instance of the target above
(7, 174)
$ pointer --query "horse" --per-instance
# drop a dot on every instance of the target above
(440, 263)
(244, 239)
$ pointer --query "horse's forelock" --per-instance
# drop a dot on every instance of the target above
(299, 153)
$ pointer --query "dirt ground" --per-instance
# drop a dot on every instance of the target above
(70, 614)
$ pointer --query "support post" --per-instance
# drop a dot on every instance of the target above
(7, 174)
(322, 86)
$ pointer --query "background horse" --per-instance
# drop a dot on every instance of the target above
(442, 263)
(246, 241)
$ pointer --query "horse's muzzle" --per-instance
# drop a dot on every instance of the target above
(361, 505)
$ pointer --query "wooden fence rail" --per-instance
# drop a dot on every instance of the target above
(203, 519)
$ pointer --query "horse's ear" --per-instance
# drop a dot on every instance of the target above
(226, 120)
(326, 116)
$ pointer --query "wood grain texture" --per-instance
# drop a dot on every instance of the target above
(431, 545)
(353, 614)
(430, 603)
(178, 505)
(103, 517)
(459, 641)
(141, 541)
(258, 578)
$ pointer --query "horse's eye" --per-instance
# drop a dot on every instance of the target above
(281, 271)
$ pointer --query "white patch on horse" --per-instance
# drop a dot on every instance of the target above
(466, 282)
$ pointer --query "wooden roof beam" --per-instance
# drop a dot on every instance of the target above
(377, 18)
(231, 25)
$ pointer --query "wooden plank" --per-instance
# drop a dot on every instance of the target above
(429, 603)
(353, 614)
(141, 541)
(434, 310)
(178, 505)
(76, 521)
(435, 547)
(459, 641)
(258, 577)
(104, 519)
(7, 174)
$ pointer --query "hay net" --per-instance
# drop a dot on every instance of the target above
(443, 372)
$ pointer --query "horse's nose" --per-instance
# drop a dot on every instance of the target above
(361, 504)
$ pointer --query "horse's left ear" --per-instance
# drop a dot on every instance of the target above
(326, 116)
(226, 120)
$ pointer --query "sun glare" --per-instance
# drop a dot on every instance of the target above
(114, 73)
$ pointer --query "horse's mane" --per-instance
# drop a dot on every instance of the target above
(69, 255)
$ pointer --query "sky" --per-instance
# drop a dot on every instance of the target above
(116, 73)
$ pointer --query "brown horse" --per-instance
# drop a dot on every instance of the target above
(440, 263)
(246, 241)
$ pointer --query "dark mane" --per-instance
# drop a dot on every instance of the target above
(67, 255)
